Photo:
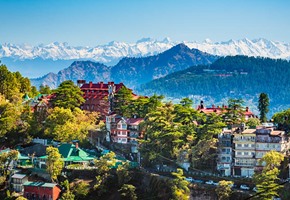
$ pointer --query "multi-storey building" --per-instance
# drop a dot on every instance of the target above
(248, 147)
(224, 160)
(268, 139)
(122, 130)
(99, 96)
(244, 153)
(96, 95)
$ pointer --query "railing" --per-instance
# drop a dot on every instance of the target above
(243, 140)
(244, 164)
(245, 148)
(268, 141)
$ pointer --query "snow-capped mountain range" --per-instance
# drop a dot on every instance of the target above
(112, 52)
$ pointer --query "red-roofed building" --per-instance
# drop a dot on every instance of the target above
(123, 130)
(219, 110)
(40, 190)
(98, 95)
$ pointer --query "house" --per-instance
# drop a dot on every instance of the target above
(71, 154)
(17, 182)
(22, 159)
(123, 130)
(41, 190)
(99, 96)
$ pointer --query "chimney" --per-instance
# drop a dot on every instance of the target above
(201, 105)
(247, 109)
(91, 84)
(77, 145)
(101, 83)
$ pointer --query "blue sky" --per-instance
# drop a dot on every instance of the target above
(93, 22)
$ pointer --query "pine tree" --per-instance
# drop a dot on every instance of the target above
(263, 106)
(68, 95)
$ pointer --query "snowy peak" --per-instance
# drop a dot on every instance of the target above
(257, 47)
(112, 52)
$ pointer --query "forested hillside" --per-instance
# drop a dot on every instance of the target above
(229, 77)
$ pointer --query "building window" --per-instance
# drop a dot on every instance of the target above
(239, 153)
(239, 145)
(246, 153)
(246, 145)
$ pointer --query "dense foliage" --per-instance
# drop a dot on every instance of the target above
(229, 77)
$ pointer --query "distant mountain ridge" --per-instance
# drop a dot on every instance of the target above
(131, 71)
(228, 77)
(114, 51)
(34, 61)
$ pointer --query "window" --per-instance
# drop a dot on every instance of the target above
(246, 153)
(239, 145)
(239, 153)
(246, 145)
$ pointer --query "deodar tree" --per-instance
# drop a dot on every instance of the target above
(263, 106)
(68, 95)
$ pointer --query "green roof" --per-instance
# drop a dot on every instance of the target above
(70, 153)
(39, 184)
(26, 97)
(68, 150)
(22, 157)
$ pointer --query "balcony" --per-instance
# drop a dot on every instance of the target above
(244, 164)
(268, 140)
(244, 140)
(245, 148)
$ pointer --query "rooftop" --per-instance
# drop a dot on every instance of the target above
(19, 176)
(39, 184)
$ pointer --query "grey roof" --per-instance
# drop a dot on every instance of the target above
(19, 176)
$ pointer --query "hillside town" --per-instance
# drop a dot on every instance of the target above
(74, 141)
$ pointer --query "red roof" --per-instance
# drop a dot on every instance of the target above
(101, 86)
(220, 110)
(134, 121)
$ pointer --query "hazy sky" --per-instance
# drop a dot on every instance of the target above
(93, 22)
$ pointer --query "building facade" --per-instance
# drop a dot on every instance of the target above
(41, 190)
(123, 130)
(225, 150)
(17, 182)
(248, 147)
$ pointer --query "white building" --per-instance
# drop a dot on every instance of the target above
(248, 147)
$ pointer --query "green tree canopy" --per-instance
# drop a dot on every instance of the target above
(235, 114)
(127, 192)
(65, 125)
(179, 186)
(54, 162)
(224, 189)
(68, 95)
(44, 89)
(267, 180)
(253, 122)
(283, 120)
